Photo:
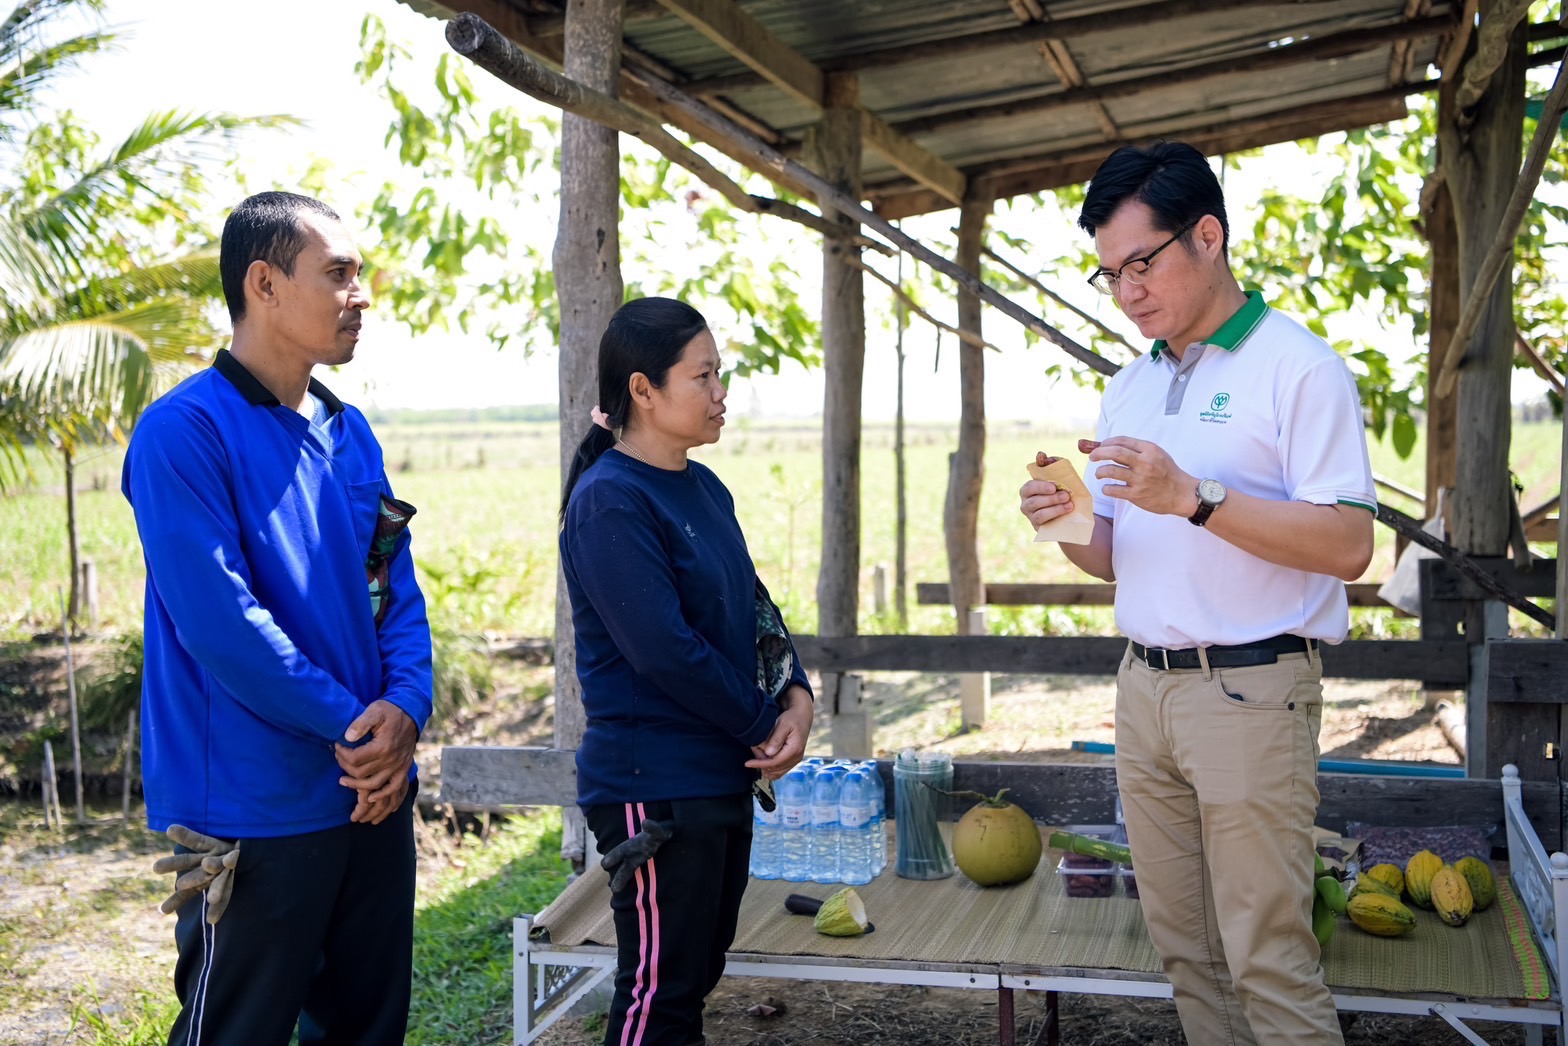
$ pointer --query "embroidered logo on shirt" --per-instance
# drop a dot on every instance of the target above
(690, 532)
(1217, 414)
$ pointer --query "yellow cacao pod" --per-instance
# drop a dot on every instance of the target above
(1418, 877)
(1483, 888)
(1380, 914)
(1367, 884)
(1451, 896)
(1390, 875)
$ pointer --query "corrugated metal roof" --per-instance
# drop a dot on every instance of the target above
(950, 75)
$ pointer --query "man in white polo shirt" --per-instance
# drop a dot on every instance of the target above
(1232, 498)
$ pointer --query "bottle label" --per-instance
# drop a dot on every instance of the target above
(768, 817)
(854, 816)
(824, 814)
(795, 816)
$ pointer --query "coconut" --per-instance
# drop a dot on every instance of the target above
(843, 914)
(996, 842)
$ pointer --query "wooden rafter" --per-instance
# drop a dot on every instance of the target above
(1076, 164)
(1316, 49)
(729, 26)
(1064, 28)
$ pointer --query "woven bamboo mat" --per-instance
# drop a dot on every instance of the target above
(1035, 924)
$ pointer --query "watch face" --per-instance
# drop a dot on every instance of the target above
(1211, 491)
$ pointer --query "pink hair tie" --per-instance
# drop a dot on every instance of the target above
(601, 419)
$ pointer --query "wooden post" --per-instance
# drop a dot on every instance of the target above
(89, 593)
(52, 785)
(130, 754)
(833, 146)
(587, 267)
(879, 589)
(76, 733)
(966, 471)
(974, 688)
(966, 466)
(851, 726)
(1443, 313)
(1562, 537)
(1481, 165)
(900, 490)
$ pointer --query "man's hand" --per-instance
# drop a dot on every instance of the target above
(1143, 473)
(776, 756)
(1040, 500)
(368, 811)
(378, 769)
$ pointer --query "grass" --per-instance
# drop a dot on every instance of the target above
(463, 931)
(98, 903)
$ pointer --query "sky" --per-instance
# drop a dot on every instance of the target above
(297, 57)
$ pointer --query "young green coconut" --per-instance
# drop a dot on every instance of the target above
(996, 842)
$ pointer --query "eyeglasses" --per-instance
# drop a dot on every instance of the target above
(1105, 280)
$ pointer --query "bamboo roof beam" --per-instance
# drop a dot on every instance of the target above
(729, 26)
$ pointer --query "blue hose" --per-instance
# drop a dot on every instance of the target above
(1381, 768)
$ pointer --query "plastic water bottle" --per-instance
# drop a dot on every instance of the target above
(765, 841)
(856, 809)
(826, 837)
(793, 793)
(878, 817)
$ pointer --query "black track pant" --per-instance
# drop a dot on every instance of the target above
(676, 918)
(319, 932)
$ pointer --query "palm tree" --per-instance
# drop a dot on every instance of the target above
(108, 281)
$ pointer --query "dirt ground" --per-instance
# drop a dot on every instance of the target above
(81, 923)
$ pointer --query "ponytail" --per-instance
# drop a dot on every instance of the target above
(591, 449)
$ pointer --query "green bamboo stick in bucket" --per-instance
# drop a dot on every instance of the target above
(921, 781)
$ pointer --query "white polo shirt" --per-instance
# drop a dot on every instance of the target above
(1268, 408)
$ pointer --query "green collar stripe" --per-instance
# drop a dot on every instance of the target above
(1235, 330)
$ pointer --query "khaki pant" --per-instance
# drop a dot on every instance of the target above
(1218, 777)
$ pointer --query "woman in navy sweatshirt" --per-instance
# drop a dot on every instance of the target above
(663, 595)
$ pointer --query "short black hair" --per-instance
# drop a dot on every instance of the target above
(1172, 179)
(265, 227)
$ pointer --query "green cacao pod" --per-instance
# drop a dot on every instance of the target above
(1483, 888)
(1380, 914)
(1418, 877)
(1451, 896)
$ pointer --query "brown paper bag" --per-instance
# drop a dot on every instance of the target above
(1077, 527)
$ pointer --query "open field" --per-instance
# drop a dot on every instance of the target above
(487, 495)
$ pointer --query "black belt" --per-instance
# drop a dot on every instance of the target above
(1263, 652)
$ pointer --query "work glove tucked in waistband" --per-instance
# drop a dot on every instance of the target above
(624, 860)
(210, 867)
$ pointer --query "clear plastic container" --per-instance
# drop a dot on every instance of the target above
(921, 781)
(1089, 876)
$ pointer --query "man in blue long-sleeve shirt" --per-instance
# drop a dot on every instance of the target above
(281, 702)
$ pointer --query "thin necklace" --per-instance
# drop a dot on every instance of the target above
(639, 457)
